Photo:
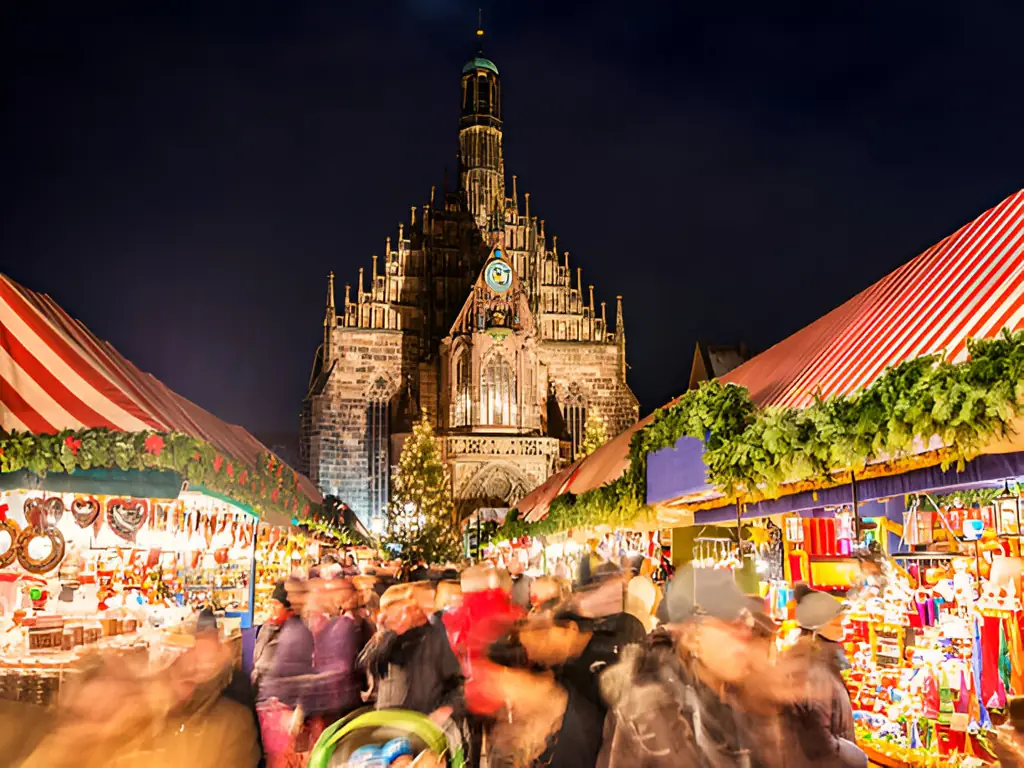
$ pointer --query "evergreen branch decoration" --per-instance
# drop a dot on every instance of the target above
(751, 453)
(270, 485)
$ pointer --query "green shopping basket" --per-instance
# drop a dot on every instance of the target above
(369, 726)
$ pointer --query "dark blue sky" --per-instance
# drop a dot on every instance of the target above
(181, 176)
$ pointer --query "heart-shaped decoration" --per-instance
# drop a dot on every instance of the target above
(34, 513)
(85, 510)
(54, 510)
(126, 516)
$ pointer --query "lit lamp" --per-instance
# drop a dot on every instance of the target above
(1007, 508)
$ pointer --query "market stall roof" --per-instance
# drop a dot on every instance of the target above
(55, 374)
(605, 465)
(970, 284)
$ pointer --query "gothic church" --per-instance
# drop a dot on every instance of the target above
(474, 319)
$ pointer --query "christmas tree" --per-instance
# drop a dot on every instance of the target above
(421, 516)
(594, 435)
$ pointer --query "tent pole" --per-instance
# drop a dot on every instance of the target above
(739, 530)
(856, 513)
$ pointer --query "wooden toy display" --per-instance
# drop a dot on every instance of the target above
(934, 658)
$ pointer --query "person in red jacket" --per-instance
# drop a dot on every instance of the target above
(485, 614)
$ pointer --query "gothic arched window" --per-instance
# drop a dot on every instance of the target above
(378, 438)
(463, 401)
(574, 408)
(497, 393)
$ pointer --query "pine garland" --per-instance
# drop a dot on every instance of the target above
(751, 453)
(270, 485)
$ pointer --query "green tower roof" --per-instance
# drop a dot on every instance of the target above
(479, 62)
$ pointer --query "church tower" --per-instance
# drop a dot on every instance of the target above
(471, 317)
(481, 165)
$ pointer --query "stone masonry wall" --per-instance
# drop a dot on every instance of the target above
(368, 363)
(595, 368)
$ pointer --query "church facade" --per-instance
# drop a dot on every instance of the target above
(473, 318)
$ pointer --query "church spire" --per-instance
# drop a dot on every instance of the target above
(330, 319)
(620, 337)
(481, 166)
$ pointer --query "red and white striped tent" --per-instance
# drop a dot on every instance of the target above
(55, 375)
(969, 285)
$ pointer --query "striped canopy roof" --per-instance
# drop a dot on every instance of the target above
(55, 374)
(971, 284)
(967, 285)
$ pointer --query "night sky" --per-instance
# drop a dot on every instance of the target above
(181, 176)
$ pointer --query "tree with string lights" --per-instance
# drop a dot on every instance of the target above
(421, 520)
(594, 435)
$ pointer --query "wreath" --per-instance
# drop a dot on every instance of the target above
(7, 556)
(48, 562)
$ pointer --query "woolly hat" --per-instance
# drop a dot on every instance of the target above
(280, 594)
(705, 591)
(816, 609)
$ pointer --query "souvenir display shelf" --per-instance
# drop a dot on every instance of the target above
(935, 653)
(81, 572)
(278, 552)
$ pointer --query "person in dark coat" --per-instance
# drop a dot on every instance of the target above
(521, 582)
(267, 638)
(335, 688)
(547, 720)
(820, 618)
(411, 662)
(285, 676)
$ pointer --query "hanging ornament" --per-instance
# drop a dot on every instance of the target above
(53, 511)
(40, 564)
(126, 516)
(85, 510)
(34, 512)
(795, 529)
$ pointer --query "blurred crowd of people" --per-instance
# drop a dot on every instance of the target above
(608, 671)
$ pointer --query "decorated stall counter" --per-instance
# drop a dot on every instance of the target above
(934, 659)
(78, 571)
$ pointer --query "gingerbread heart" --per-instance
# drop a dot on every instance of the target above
(34, 513)
(54, 511)
(126, 516)
(85, 510)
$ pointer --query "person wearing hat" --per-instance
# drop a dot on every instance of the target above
(266, 638)
(284, 648)
(820, 617)
(705, 689)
